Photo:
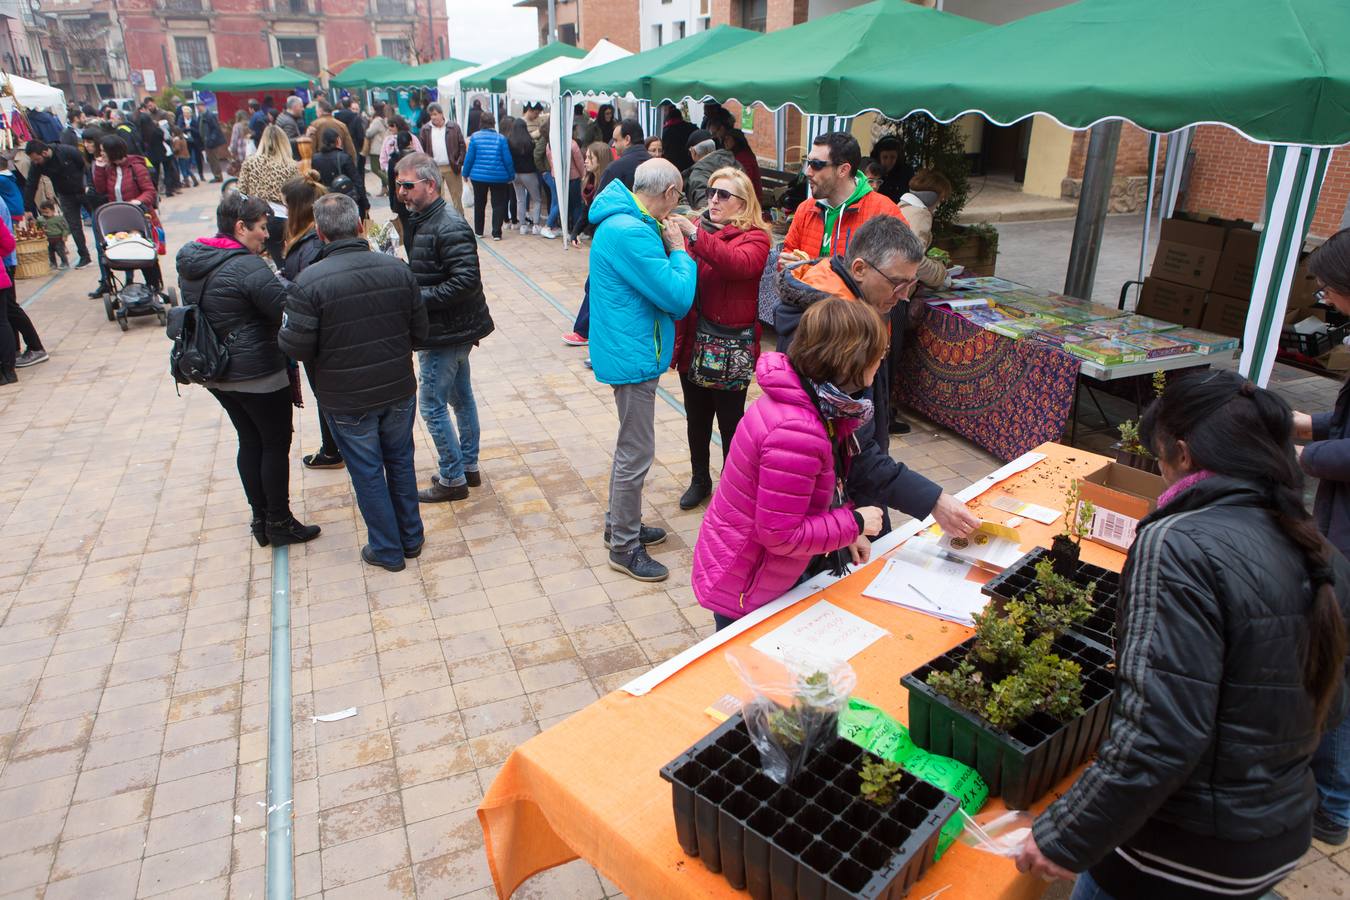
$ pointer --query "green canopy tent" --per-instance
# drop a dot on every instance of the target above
(425, 75)
(632, 74)
(493, 78)
(358, 75)
(237, 80)
(1272, 70)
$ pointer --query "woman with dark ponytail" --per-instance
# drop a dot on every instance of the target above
(1230, 662)
(1327, 459)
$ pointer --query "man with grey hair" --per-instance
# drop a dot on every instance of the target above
(879, 268)
(443, 255)
(642, 280)
(354, 316)
(708, 158)
(290, 118)
(445, 143)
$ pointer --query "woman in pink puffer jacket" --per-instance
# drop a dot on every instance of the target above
(780, 501)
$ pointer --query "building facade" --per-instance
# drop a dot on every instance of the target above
(174, 40)
(583, 23)
(83, 49)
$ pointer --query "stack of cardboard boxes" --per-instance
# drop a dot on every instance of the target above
(1202, 276)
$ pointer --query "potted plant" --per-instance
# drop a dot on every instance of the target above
(1130, 450)
(1067, 545)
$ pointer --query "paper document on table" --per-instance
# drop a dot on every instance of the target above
(1008, 503)
(824, 628)
(918, 578)
(991, 546)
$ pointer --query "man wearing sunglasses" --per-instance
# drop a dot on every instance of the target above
(841, 201)
(879, 269)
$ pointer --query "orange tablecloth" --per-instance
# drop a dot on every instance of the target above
(590, 786)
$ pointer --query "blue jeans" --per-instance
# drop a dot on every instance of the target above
(554, 219)
(378, 448)
(1331, 768)
(445, 381)
(1086, 888)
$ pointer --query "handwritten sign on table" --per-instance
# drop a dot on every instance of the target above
(824, 629)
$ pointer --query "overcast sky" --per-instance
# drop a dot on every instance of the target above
(489, 31)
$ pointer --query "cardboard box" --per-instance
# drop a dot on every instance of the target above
(1188, 252)
(1203, 235)
(1338, 360)
(1302, 287)
(1122, 496)
(1237, 263)
(1226, 315)
(1172, 302)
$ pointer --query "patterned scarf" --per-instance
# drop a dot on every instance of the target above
(836, 405)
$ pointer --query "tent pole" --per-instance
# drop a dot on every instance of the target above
(1153, 141)
(1092, 206)
(552, 21)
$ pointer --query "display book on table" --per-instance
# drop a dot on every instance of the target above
(814, 837)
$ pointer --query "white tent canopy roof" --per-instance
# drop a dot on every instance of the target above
(540, 84)
(35, 95)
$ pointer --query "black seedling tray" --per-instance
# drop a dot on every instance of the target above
(1099, 628)
(813, 839)
(1023, 763)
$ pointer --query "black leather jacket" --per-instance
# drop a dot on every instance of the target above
(1211, 730)
(241, 298)
(443, 255)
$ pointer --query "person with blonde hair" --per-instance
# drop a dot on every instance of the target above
(717, 343)
(263, 175)
(782, 500)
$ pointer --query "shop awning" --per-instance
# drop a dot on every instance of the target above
(425, 75)
(803, 65)
(357, 76)
(493, 78)
(540, 84)
(227, 79)
(634, 73)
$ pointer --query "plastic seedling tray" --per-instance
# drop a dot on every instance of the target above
(1099, 628)
(1023, 763)
(812, 839)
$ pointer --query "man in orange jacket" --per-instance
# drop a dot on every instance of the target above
(841, 201)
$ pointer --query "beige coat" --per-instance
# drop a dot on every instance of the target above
(931, 272)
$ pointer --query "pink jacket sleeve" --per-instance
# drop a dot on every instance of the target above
(790, 463)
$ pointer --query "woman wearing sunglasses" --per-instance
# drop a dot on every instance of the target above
(716, 345)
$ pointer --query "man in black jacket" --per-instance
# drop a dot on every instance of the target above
(70, 135)
(152, 145)
(64, 165)
(881, 267)
(675, 136)
(443, 254)
(354, 316)
(214, 140)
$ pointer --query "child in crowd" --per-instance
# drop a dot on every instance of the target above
(57, 231)
(182, 155)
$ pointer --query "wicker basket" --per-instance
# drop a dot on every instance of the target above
(32, 258)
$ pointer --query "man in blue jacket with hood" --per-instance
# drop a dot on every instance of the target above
(642, 281)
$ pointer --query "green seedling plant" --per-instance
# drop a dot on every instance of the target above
(880, 778)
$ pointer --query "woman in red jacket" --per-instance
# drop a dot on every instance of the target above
(120, 176)
(717, 344)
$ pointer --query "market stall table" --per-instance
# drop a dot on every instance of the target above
(1006, 394)
(589, 787)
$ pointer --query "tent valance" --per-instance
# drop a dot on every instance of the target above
(540, 84)
(228, 79)
(493, 78)
(358, 75)
(425, 75)
(635, 73)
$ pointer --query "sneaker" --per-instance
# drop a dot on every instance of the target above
(586, 362)
(572, 339)
(1327, 830)
(474, 478)
(30, 358)
(648, 536)
(81, 263)
(536, 230)
(636, 564)
(98, 292)
(524, 228)
(369, 559)
(496, 237)
(322, 460)
(547, 232)
(443, 493)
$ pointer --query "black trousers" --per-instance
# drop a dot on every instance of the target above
(700, 405)
(8, 349)
(18, 320)
(329, 446)
(500, 194)
(263, 423)
(276, 239)
(71, 205)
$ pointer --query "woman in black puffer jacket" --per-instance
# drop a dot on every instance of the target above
(242, 300)
(1230, 664)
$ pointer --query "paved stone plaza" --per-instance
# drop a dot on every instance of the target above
(134, 606)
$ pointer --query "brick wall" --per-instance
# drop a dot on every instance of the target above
(614, 20)
(1131, 156)
(1229, 179)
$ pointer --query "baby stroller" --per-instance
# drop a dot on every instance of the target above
(129, 246)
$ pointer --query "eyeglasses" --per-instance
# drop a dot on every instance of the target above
(897, 285)
(817, 164)
(724, 195)
(408, 185)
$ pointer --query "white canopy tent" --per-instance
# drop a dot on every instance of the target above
(540, 84)
(33, 95)
(447, 88)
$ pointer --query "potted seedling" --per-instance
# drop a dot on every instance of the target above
(878, 781)
(1067, 545)
(1130, 450)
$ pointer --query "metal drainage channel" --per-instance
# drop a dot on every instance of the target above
(280, 837)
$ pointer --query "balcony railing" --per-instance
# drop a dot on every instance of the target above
(392, 8)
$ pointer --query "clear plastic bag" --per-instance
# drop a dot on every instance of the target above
(1001, 835)
(795, 707)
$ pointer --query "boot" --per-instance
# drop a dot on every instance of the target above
(290, 531)
(259, 528)
(8, 375)
(700, 486)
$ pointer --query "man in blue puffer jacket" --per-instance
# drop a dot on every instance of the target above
(642, 281)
